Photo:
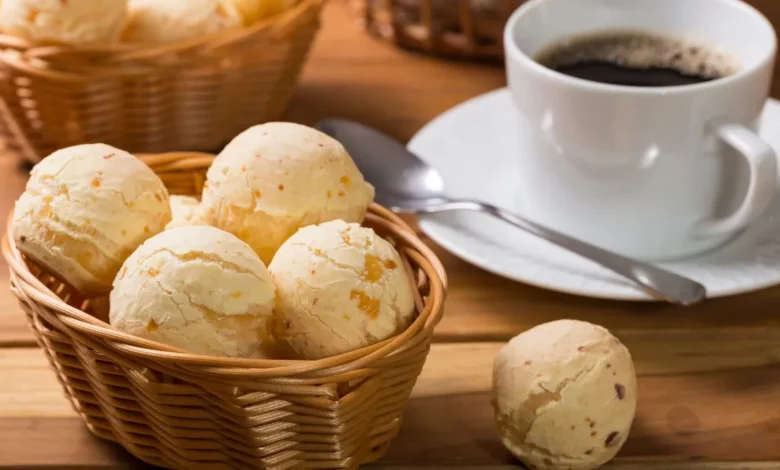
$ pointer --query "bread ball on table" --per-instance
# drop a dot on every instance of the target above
(85, 209)
(154, 22)
(77, 22)
(340, 287)
(275, 178)
(564, 395)
(196, 288)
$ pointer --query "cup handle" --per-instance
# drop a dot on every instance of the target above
(762, 163)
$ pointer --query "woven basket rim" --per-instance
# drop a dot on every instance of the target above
(129, 51)
(429, 314)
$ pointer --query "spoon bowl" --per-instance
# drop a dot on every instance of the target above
(398, 175)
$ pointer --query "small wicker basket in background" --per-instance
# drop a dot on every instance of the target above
(194, 95)
(180, 410)
(471, 29)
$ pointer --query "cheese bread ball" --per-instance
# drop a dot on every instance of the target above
(85, 209)
(184, 211)
(564, 395)
(275, 178)
(253, 11)
(163, 21)
(79, 22)
(340, 287)
(196, 288)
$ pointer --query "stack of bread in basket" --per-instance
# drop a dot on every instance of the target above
(260, 323)
(147, 75)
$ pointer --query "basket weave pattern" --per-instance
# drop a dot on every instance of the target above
(180, 410)
(470, 29)
(193, 95)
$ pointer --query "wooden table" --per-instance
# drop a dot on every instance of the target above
(709, 375)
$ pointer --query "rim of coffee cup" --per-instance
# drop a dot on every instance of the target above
(513, 51)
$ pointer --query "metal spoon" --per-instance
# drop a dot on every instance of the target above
(405, 183)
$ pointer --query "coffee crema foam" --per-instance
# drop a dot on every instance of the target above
(639, 50)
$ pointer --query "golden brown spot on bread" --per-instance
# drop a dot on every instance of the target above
(221, 11)
(32, 14)
(95, 182)
(257, 193)
(281, 187)
(152, 326)
(124, 232)
(345, 180)
(346, 317)
(372, 269)
(390, 264)
(366, 304)
(341, 193)
(330, 194)
(346, 238)
(153, 272)
(243, 168)
(158, 197)
(236, 294)
(313, 272)
(47, 199)
(147, 229)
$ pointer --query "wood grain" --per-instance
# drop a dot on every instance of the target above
(709, 375)
(29, 388)
(679, 414)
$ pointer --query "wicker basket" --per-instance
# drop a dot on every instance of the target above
(193, 95)
(180, 410)
(470, 29)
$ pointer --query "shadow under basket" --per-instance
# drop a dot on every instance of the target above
(181, 410)
(195, 95)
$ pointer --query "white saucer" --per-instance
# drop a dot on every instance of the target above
(473, 146)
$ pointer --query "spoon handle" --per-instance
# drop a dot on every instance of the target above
(655, 281)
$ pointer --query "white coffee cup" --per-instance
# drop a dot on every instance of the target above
(653, 173)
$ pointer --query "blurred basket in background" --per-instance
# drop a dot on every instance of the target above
(180, 410)
(193, 95)
(471, 29)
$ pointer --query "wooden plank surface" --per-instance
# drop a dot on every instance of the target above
(709, 375)
(451, 408)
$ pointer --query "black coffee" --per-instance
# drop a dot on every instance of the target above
(636, 59)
